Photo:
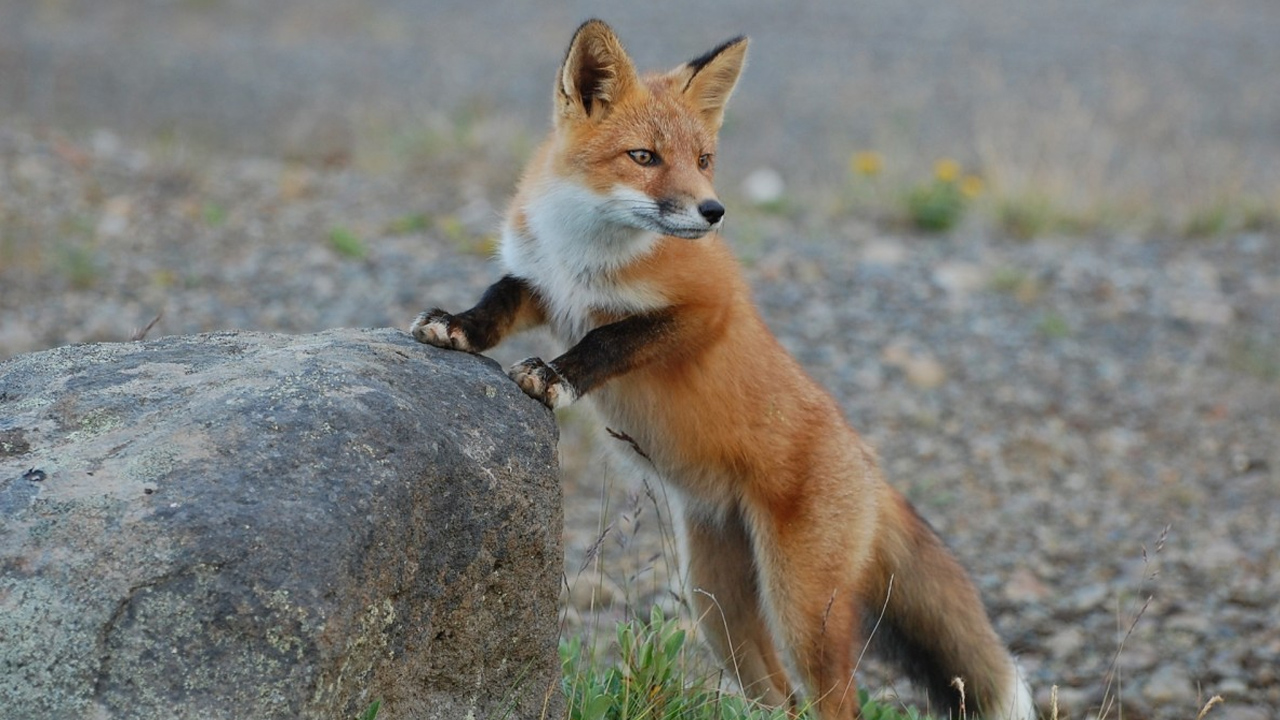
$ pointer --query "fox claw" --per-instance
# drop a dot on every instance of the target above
(439, 328)
(541, 382)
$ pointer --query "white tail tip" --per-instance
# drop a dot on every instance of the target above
(1020, 705)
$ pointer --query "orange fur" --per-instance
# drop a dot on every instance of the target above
(796, 542)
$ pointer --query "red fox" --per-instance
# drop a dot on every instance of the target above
(799, 551)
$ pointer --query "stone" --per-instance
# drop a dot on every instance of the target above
(1089, 597)
(1065, 643)
(115, 216)
(959, 278)
(921, 369)
(1137, 657)
(1230, 711)
(1231, 688)
(925, 372)
(1169, 685)
(884, 251)
(1194, 293)
(243, 525)
(763, 186)
(1023, 587)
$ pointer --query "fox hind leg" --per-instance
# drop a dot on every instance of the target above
(815, 611)
(726, 598)
(822, 640)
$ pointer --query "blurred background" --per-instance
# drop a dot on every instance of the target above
(1141, 106)
(1031, 246)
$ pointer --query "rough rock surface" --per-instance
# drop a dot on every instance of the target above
(241, 524)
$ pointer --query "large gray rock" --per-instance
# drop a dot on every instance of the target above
(243, 525)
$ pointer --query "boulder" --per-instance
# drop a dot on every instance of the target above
(240, 525)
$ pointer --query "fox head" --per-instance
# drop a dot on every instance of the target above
(644, 145)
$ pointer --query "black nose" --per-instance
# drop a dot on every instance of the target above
(712, 210)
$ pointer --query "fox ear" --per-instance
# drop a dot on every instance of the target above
(710, 79)
(596, 72)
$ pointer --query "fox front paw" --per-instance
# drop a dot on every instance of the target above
(541, 382)
(439, 328)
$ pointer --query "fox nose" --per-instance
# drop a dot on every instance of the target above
(711, 210)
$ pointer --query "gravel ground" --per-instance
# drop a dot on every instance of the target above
(1098, 414)
(1090, 422)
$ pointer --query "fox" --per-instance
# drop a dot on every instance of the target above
(799, 553)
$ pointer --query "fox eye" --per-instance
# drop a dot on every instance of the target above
(704, 161)
(647, 158)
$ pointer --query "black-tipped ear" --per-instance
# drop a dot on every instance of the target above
(710, 78)
(596, 72)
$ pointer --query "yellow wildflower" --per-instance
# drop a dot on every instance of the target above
(971, 186)
(946, 170)
(867, 162)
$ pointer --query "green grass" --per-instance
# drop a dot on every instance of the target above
(409, 224)
(80, 265)
(213, 214)
(1228, 214)
(347, 243)
(655, 677)
(1053, 325)
(1208, 221)
(936, 206)
(463, 239)
(1257, 357)
(1025, 217)
(1009, 281)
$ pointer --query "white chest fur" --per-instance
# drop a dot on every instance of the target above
(574, 247)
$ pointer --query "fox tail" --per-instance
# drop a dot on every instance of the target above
(929, 619)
